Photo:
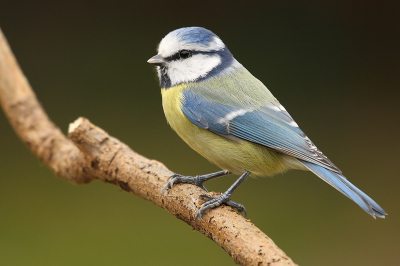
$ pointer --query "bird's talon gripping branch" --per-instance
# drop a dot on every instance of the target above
(218, 201)
(197, 180)
(176, 179)
(239, 207)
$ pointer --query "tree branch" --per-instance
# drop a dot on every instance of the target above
(91, 153)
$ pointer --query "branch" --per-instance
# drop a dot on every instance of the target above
(91, 154)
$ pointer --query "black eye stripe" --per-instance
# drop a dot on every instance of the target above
(173, 57)
(177, 56)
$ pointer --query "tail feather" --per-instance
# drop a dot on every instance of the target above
(339, 182)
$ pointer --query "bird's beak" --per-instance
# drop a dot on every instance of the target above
(157, 60)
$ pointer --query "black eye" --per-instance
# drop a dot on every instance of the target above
(184, 54)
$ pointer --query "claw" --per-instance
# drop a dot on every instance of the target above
(164, 188)
(202, 187)
(172, 176)
(239, 207)
(170, 182)
(198, 215)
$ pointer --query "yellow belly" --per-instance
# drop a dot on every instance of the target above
(226, 154)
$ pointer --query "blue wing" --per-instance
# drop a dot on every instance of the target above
(270, 126)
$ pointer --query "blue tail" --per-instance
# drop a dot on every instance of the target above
(339, 182)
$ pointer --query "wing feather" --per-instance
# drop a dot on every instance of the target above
(270, 126)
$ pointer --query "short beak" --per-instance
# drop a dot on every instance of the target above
(157, 60)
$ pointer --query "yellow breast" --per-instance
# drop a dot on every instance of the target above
(226, 154)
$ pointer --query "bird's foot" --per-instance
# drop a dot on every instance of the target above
(218, 201)
(176, 179)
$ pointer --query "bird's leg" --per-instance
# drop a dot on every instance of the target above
(196, 180)
(224, 198)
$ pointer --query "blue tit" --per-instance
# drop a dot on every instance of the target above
(229, 117)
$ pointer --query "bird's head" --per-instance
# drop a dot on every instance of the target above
(190, 54)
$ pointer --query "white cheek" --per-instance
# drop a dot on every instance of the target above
(192, 68)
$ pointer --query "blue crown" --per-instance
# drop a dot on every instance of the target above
(195, 35)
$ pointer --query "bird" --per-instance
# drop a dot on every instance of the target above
(230, 117)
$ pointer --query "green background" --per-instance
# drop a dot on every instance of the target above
(335, 66)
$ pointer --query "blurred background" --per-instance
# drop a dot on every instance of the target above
(334, 65)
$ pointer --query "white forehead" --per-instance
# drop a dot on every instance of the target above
(172, 43)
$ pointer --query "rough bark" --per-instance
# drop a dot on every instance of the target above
(91, 154)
